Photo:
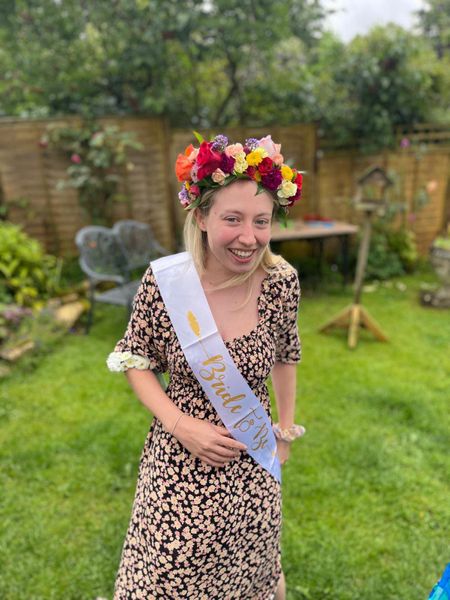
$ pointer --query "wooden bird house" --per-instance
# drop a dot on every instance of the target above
(371, 191)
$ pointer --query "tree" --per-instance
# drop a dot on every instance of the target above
(434, 23)
(387, 78)
(189, 59)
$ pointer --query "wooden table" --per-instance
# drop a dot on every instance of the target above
(318, 232)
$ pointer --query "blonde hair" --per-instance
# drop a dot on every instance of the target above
(195, 241)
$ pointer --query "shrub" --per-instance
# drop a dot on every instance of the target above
(27, 275)
(392, 252)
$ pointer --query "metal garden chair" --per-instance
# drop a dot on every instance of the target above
(138, 243)
(111, 255)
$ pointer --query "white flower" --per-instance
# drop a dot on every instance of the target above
(241, 164)
(121, 361)
(287, 189)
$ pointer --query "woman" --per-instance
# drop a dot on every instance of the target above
(206, 519)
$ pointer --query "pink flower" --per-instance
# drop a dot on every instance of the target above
(405, 143)
(432, 186)
(269, 146)
(218, 176)
(193, 155)
(75, 158)
(194, 172)
(234, 149)
(278, 159)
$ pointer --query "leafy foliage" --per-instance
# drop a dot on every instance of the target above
(11, 317)
(385, 79)
(95, 153)
(27, 274)
(392, 253)
(220, 63)
(434, 20)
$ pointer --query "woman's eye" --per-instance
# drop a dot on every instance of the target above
(262, 222)
(231, 219)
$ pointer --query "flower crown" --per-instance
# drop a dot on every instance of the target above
(218, 163)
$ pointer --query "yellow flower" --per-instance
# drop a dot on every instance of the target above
(241, 164)
(287, 173)
(255, 157)
(287, 189)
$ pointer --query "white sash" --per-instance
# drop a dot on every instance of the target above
(238, 407)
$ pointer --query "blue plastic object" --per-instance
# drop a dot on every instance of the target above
(441, 590)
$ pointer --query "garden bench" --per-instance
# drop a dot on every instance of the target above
(112, 255)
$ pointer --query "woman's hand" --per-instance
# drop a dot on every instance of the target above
(284, 449)
(212, 444)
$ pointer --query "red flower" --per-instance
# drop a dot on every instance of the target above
(227, 163)
(298, 194)
(75, 158)
(265, 166)
(207, 160)
(272, 180)
(251, 172)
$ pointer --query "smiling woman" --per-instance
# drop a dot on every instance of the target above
(221, 318)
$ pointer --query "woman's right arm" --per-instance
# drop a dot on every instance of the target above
(211, 443)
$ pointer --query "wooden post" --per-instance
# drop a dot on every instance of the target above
(356, 316)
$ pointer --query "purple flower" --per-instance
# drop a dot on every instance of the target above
(184, 196)
(219, 143)
(405, 143)
(252, 143)
(227, 163)
(272, 180)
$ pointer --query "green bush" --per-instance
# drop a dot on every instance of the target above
(403, 243)
(383, 262)
(27, 275)
(392, 252)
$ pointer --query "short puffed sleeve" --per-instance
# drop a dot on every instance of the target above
(288, 348)
(140, 347)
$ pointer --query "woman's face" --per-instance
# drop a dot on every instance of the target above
(238, 228)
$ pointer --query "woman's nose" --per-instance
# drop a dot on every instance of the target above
(247, 235)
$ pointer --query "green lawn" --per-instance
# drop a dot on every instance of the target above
(365, 493)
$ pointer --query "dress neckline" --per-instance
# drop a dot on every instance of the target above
(260, 308)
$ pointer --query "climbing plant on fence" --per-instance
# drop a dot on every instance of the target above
(97, 155)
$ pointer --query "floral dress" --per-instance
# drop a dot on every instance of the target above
(197, 531)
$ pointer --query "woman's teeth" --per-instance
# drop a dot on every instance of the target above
(242, 253)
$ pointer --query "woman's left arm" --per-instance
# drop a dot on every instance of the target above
(284, 382)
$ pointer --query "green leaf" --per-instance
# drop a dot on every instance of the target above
(282, 217)
(198, 137)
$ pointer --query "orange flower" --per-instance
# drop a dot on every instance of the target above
(183, 167)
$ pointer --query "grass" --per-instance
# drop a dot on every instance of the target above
(365, 492)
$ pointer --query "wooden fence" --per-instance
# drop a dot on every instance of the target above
(28, 177)
(414, 170)
(29, 174)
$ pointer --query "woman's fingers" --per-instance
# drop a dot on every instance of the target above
(221, 453)
(230, 441)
